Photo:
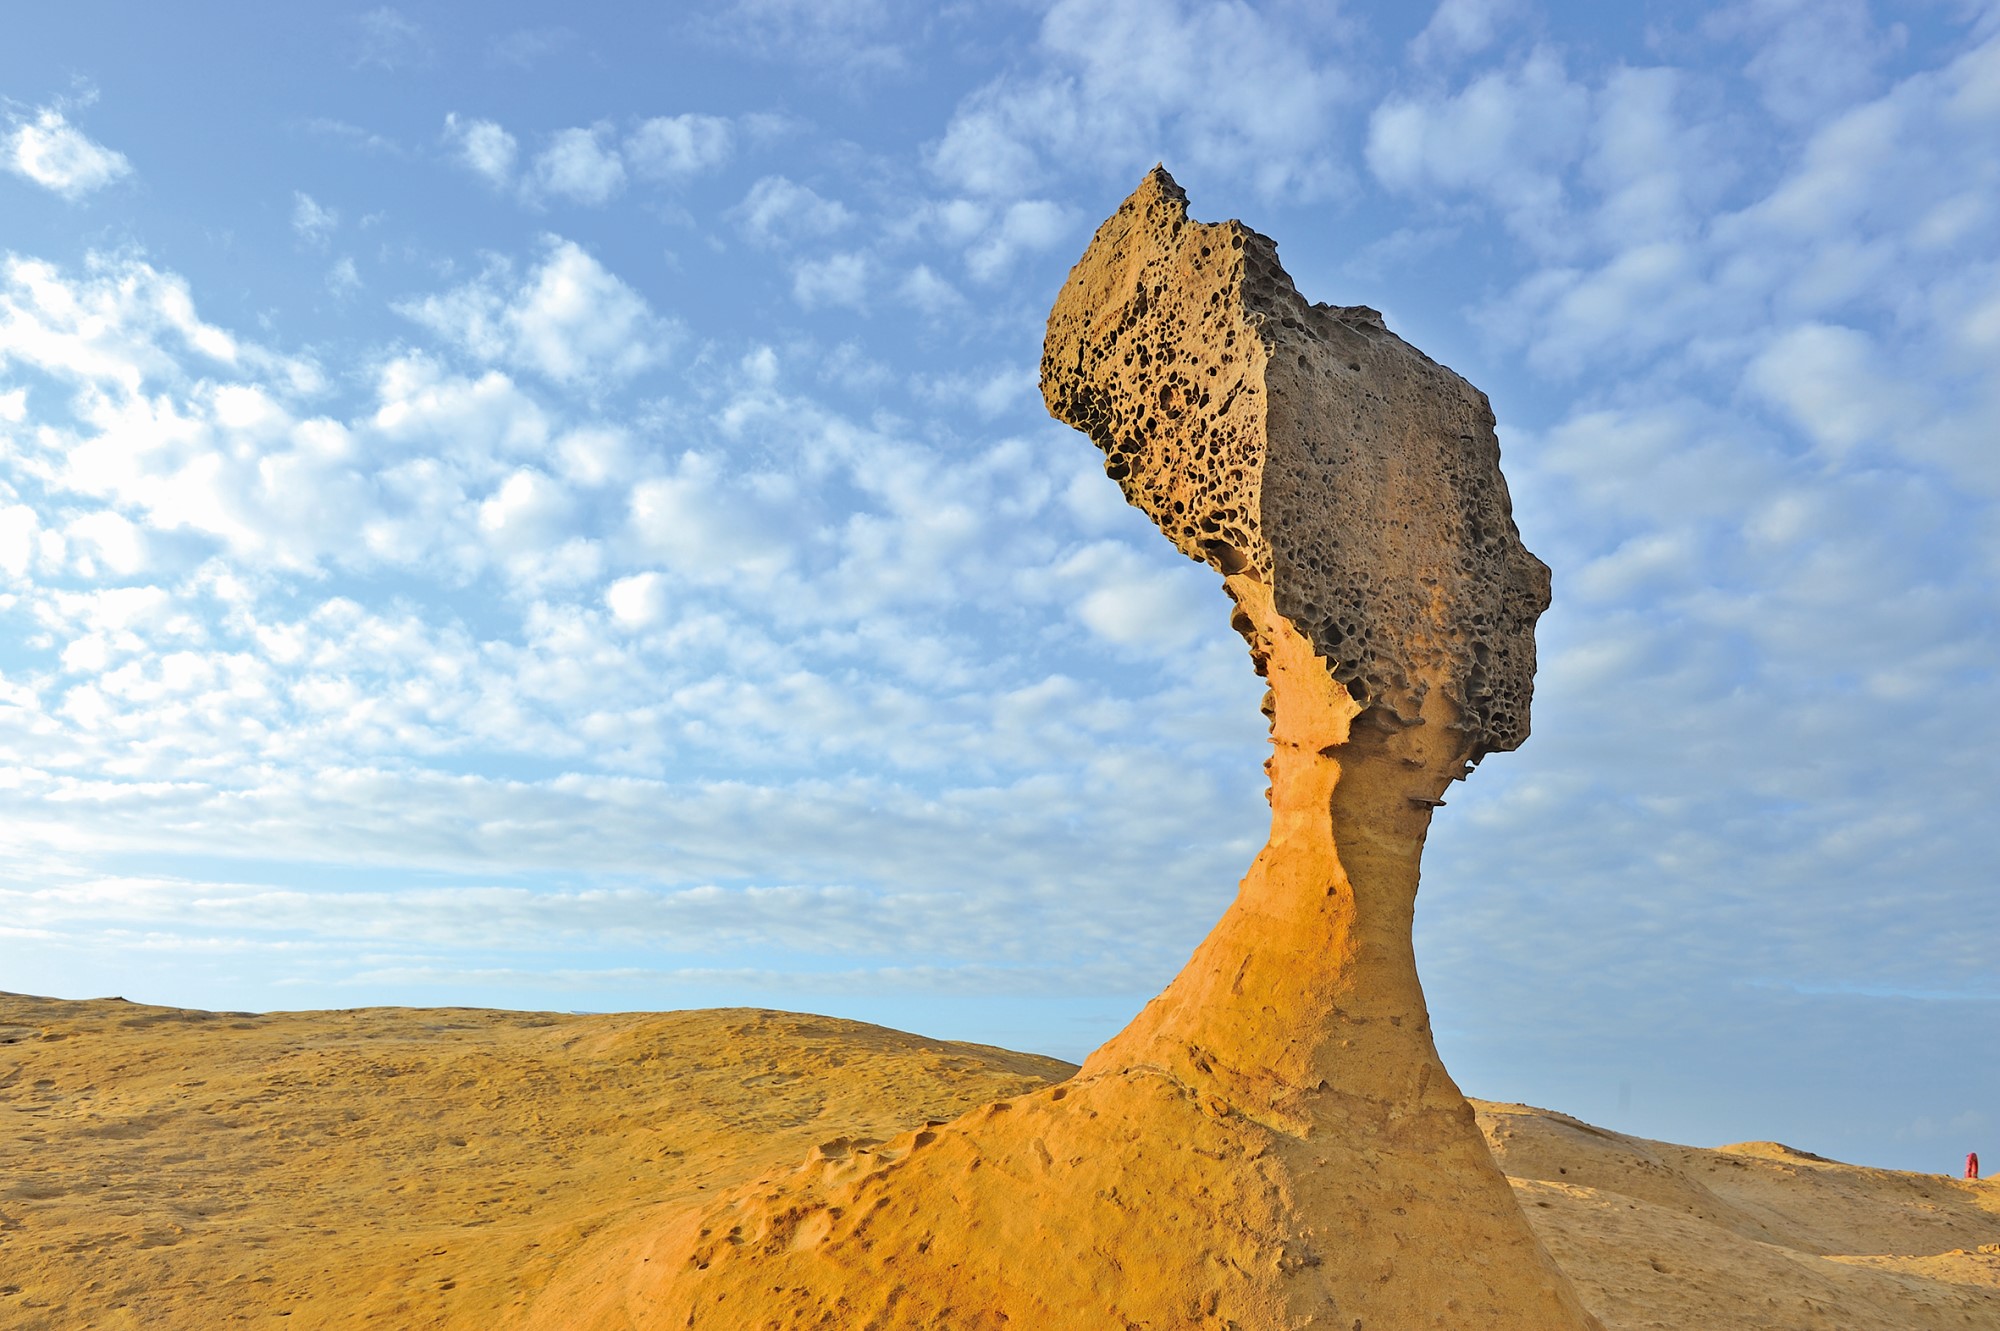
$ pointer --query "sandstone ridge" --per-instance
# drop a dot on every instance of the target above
(467, 1170)
(1273, 1142)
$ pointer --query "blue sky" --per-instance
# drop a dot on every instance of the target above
(559, 515)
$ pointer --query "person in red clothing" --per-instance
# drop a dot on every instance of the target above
(1972, 1164)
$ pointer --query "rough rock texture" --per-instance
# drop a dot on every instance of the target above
(1273, 1142)
(397, 1168)
(466, 1170)
(1755, 1235)
(1359, 479)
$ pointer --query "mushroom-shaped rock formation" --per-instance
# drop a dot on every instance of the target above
(1273, 1142)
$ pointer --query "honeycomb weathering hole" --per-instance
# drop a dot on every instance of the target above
(1379, 516)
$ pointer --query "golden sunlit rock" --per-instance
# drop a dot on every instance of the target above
(464, 1170)
(1273, 1143)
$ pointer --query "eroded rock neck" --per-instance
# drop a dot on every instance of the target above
(1308, 984)
(1272, 1144)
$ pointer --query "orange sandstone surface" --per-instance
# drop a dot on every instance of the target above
(391, 1168)
(478, 1171)
(1273, 1143)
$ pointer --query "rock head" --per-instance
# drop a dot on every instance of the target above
(1272, 1143)
(1310, 447)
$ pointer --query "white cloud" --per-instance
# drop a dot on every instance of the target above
(343, 279)
(852, 368)
(638, 601)
(391, 40)
(108, 538)
(483, 146)
(527, 513)
(1156, 603)
(1853, 393)
(421, 407)
(846, 670)
(1639, 564)
(57, 156)
(1027, 226)
(1825, 378)
(1507, 136)
(123, 322)
(1863, 233)
(524, 48)
(780, 211)
(568, 319)
(580, 165)
(1219, 87)
(830, 39)
(1569, 166)
(177, 428)
(19, 538)
(312, 222)
(1637, 302)
(225, 462)
(676, 148)
(23, 543)
(1459, 28)
(991, 392)
(930, 293)
(993, 145)
(838, 279)
(1655, 170)
(593, 456)
(1811, 56)
(354, 137)
(709, 527)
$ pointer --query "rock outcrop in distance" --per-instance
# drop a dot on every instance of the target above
(1273, 1142)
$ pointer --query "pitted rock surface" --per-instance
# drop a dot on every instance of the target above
(1273, 1143)
(1357, 476)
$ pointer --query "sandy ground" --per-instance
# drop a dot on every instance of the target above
(405, 1168)
(1750, 1235)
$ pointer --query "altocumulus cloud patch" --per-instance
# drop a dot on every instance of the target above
(547, 509)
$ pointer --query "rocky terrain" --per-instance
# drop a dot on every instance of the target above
(473, 1170)
(1273, 1141)
(1272, 1144)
